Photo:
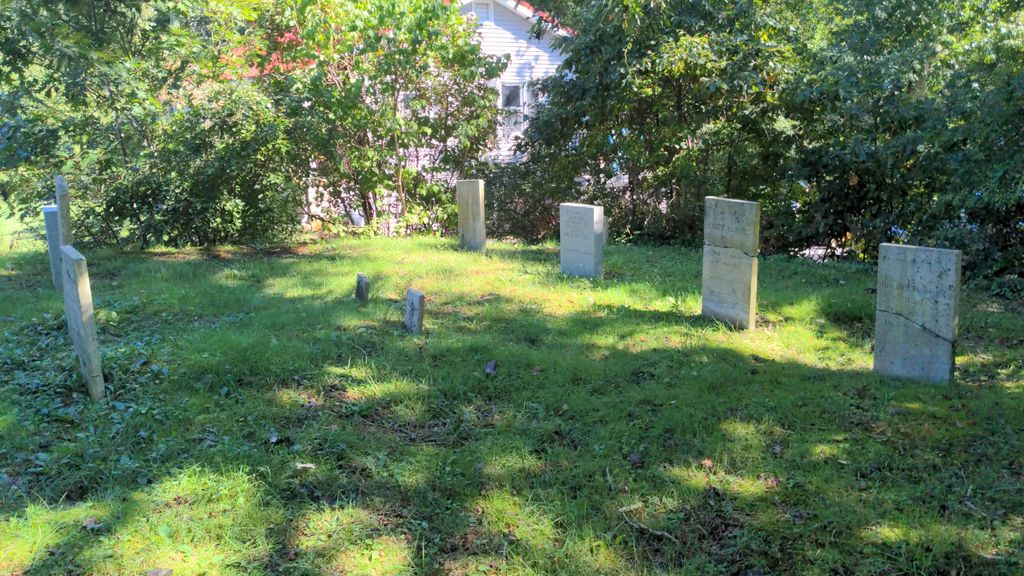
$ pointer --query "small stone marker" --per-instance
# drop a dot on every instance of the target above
(51, 220)
(582, 237)
(731, 242)
(362, 289)
(81, 318)
(469, 194)
(414, 301)
(64, 211)
(916, 312)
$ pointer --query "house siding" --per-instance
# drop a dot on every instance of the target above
(509, 33)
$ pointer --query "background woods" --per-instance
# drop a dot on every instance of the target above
(853, 123)
(207, 122)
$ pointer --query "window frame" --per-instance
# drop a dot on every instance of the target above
(490, 11)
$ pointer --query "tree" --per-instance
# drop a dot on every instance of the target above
(391, 99)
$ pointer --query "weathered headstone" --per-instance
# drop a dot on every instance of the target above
(81, 318)
(51, 221)
(916, 312)
(414, 302)
(362, 288)
(66, 238)
(729, 280)
(469, 194)
(582, 238)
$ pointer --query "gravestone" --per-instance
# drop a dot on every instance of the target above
(469, 195)
(81, 318)
(916, 312)
(362, 288)
(51, 221)
(729, 279)
(582, 238)
(414, 302)
(66, 238)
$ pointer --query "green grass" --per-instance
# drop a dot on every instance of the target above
(621, 434)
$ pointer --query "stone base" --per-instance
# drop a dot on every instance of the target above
(905, 350)
(729, 286)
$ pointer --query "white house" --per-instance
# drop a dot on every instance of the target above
(506, 29)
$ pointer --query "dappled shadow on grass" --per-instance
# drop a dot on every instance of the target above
(612, 438)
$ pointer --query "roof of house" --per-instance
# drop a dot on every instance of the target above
(528, 12)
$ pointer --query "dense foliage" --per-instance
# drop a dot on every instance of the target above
(208, 122)
(853, 123)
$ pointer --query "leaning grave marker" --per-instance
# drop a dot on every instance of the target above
(916, 312)
(729, 269)
(582, 236)
(469, 195)
(78, 309)
(66, 238)
(51, 220)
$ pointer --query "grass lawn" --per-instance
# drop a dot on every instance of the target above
(260, 422)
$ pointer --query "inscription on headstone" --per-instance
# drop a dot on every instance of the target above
(582, 238)
(916, 312)
(362, 288)
(469, 195)
(51, 221)
(414, 303)
(81, 319)
(729, 278)
(66, 238)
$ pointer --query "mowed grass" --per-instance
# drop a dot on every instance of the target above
(259, 421)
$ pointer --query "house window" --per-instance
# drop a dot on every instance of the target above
(514, 106)
(512, 96)
(482, 10)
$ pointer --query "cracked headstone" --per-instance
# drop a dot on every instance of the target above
(582, 236)
(414, 301)
(51, 220)
(65, 237)
(469, 195)
(81, 319)
(362, 289)
(729, 280)
(916, 312)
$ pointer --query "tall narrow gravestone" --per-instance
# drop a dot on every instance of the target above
(469, 195)
(414, 302)
(582, 238)
(916, 312)
(729, 280)
(81, 319)
(51, 221)
(64, 211)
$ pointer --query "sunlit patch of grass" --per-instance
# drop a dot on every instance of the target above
(504, 513)
(828, 452)
(39, 529)
(350, 540)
